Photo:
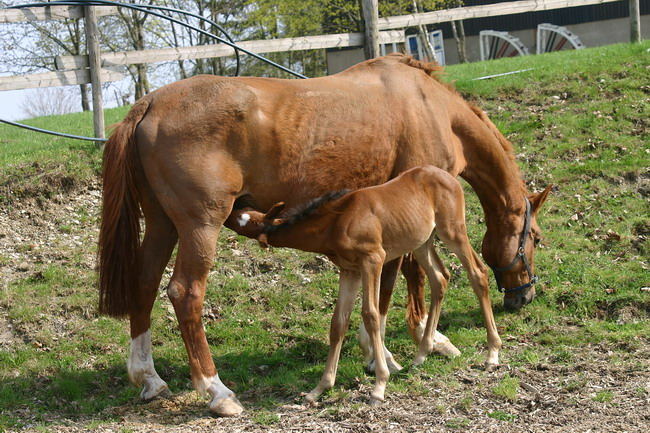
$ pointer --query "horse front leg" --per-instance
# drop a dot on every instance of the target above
(348, 287)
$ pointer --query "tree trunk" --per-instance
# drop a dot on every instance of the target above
(85, 103)
(429, 52)
(458, 29)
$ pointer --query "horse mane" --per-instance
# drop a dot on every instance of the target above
(303, 211)
(505, 143)
(435, 71)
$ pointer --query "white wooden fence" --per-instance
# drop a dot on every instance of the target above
(76, 70)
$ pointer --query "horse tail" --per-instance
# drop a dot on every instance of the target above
(119, 234)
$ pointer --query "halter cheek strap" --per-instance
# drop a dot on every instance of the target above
(521, 255)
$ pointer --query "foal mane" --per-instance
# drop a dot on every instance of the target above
(303, 211)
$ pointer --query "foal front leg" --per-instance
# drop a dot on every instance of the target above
(348, 287)
(370, 275)
(388, 276)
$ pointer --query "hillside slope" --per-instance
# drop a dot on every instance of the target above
(578, 120)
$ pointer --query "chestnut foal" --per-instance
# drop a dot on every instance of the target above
(360, 231)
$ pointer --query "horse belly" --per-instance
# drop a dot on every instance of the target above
(314, 145)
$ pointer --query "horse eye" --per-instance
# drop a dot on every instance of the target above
(537, 241)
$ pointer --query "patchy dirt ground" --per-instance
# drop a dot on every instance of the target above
(606, 390)
(551, 399)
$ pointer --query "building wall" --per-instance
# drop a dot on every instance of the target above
(592, 34)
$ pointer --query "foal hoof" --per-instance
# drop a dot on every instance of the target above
(228, 406)
(393, 366)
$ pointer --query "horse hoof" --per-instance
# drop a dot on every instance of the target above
(491, 366)
(419, 360)
(228, 406)
(159, 390)
(375, 402)
(444, 347)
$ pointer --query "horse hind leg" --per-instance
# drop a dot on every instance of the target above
(155, 251)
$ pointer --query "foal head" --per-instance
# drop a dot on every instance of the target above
(510, 253)
(252, 223)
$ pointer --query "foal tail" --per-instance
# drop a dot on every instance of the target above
(119, 234)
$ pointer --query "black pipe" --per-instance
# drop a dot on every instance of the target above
(143, 8)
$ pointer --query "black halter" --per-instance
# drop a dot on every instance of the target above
(521, 255)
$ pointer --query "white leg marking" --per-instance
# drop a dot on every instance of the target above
(141, 368)
(243, 219)
(366, 347)
(222, 399)
(368, 353)
(440, 344)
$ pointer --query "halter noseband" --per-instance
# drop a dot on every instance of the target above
(521, 255)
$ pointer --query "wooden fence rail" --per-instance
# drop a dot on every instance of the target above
(50, 13)
(221, 50)
(489, 10)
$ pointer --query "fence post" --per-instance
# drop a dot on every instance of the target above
(95, 64)
(635, 21)
(371, 31)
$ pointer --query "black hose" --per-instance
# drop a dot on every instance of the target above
(163, 8)
(143, 8)
(47, 131)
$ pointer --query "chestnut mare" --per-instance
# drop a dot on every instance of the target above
(364, 229)
(187, 151)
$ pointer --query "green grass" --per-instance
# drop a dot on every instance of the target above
(579, 120)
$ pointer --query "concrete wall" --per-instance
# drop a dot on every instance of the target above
(591, 34)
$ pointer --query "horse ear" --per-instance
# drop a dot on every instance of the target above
(274, 211)
(537, 200)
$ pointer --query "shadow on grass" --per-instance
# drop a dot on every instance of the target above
(260, 378)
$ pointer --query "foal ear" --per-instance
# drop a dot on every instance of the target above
(274, 211)
(537, 200)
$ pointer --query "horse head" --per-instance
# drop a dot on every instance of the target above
(513, 261)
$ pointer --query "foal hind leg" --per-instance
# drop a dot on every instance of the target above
(349, 283)
(417, 317)
(438, 279)
(388, 277)
(159, 240)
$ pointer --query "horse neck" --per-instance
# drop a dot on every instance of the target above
(494, 175)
